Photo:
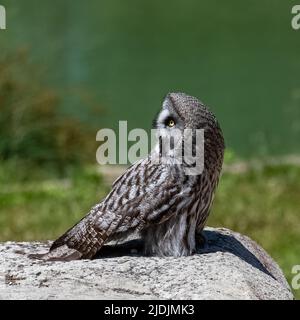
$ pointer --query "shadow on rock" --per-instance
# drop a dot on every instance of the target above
(214, 242)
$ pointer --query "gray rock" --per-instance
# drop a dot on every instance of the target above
(229, 266)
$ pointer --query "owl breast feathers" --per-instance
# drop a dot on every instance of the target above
(158, 199)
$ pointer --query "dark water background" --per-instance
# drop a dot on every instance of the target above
(242, 58)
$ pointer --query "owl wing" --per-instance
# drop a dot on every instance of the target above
(145, 193)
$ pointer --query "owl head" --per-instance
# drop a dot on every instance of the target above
(181, 111)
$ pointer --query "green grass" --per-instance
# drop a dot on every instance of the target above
(44, 207)
(263, 204)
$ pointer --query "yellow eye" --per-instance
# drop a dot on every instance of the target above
(171, 123)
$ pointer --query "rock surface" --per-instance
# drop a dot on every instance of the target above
(229, 266)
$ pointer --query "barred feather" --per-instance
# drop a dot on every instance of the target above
(159, 200)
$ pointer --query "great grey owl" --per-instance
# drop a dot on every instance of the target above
(165, 205)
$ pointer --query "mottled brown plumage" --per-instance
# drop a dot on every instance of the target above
(167, 206)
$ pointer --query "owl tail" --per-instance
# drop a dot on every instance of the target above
(76, 243)
(62, 253)
(83, 240)
(72, 245)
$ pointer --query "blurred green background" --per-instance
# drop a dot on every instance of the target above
(69, 68)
